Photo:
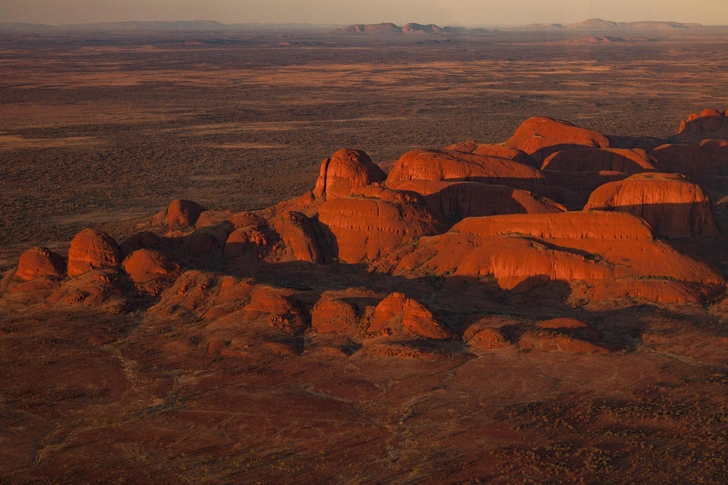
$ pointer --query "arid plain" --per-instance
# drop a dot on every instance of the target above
(147, 384)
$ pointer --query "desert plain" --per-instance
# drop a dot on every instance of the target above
(262, 336)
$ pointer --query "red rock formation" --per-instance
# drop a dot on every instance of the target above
(486, 338)
(672, 206)
(141, 240)
(540, 137)
(599, 159)
(500, 151)
(344, 171)
(693, 161)
(549, 341)
(146, 265)
(578, 186)
(397, 315)
(570, 325)
(457, 200)
(707, 121)
(331, 315)
(38, 262)
(367, 227)
(91, 249)
(298, 234)
(434, 165)
(182, 214)
(526, 250)
(247, 240)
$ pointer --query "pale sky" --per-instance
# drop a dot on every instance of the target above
(441, 12)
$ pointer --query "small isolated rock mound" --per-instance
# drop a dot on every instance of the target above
(540, 137)
(398, 315)
(366, 227)
(344, 171)
(436, 165)
(554, 341)
(182, 214)
(673, 206)
(332, 315)
(91, 249)
(491, 150)
(570, 325)
(37, 262)
(486, 338)
(146, 265)
(599, 159)
(458, 200)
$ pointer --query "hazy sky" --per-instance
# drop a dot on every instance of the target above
(442, 12)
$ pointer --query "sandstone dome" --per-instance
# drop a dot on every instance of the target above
(91, 249)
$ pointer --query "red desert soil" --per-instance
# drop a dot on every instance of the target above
(446, 320)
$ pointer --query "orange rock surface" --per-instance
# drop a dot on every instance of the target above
(707, 121)
(297, 232)
(694, 161)
(540, 137)
(435, 165)
(344, 171)
(500, 151)
(92, 249)
(146, 265)
(39, 261)
(332, 315)
(526, 250)
(367, 227)
(182, 213)
(599, 159)
(397, 314)
(673, 206)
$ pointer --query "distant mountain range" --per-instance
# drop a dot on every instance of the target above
(593, 25)
(203, 25)
(601, 25)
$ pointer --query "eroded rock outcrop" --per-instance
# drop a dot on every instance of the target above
(673, 206)
(492, 150)
(374, 221)
(182, 213)
(435, 165)
(598, 160)
(91, 249)
(37, 262)
(527, 250)
(457, 200)
(345, 171)
(397, 315)
(707, 121)
(540, 137)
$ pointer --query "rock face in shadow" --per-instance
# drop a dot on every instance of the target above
(92, 249)
(37, 262)
(541, 137)
(344, 171)
(673, 206)
(457, 200)
(374, 221)
(599, 159)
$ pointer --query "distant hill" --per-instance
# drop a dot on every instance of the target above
(390, 28)
(606, 25)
